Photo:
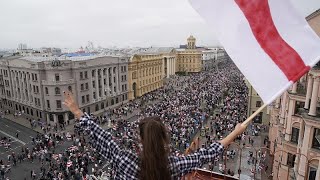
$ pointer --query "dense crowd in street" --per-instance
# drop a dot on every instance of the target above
(185, 103)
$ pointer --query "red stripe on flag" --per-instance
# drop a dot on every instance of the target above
(283, 55)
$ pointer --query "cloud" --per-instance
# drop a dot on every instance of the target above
(71, 23)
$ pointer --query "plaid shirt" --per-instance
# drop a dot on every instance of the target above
(127, 163)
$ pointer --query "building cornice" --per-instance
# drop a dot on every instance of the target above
(314, 14)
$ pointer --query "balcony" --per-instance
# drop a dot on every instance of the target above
(58, 83)
(304, 114)
(207, 175)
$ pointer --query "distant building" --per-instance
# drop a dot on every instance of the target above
(209, 58)
(35, 85)
(148, 68)
(22, 46)
(254, 103)
(190, 59)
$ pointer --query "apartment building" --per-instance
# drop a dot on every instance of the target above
(35, 85)
(295, 125)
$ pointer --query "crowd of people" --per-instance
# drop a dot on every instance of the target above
(186, 104)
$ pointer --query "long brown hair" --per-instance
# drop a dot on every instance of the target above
(154, 157)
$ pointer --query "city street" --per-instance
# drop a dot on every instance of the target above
(9, 129)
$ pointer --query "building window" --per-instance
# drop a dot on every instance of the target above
(312, 173)
(81, 75)
(57, 77)
(48, 104)
(87, 96)
(83, 100)
(47, 90)
(70, 88)
(102, 105)
(316, 139)
(290, 160)
(295, 135)
(94, 95)
(58, 104)
(93, 84)
(57, 91)
(93, 73)
(258, 104)
(82, 87)
(87, 86)
(97, 107)
(86, 74)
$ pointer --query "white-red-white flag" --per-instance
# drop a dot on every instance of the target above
(272, 45)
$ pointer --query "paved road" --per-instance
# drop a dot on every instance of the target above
(9, 129)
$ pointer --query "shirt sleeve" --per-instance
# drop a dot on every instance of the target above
(100, 139)
(185, 164)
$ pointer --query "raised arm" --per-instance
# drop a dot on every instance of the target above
(100, 139)
(183, 165)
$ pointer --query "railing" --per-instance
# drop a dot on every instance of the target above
(201, 174)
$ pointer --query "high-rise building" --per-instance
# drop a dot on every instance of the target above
(35, 85)
(295, 125)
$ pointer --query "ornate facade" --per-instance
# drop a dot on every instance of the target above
(295, 125)
(35, 85)
(189, 59)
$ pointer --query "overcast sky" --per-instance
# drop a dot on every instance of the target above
(72, 23)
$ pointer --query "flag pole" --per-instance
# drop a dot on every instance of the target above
(249, 119)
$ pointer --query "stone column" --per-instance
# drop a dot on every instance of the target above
(318, 171)
(163, 66)
(278, 102)
(309, 91)
(294, 87)
(289, 118)
(314, 97)
(55, 118)
(28, 88)
(174, 66)
(112, 83)
(283, 107)
(117, 81)
(107, 81)
(169, 66)
(102, 83)
(48, 118)
(304, 151)
(66, 117)
(97, 84)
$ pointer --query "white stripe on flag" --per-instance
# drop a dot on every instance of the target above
(292, 27)
(234, 32)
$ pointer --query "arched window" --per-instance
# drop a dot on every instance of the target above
(57, 90)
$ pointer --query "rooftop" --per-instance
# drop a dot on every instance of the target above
(156, 50)
(70, 56)
(314, 14)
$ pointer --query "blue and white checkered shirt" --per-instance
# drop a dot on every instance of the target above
(127, 163)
